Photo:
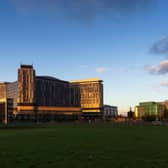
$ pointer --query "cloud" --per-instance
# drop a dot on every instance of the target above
(112, 70)
(160, 47)
(162, 68)
(164, 83)
(150, 69)
(101, 70)
(85, 10)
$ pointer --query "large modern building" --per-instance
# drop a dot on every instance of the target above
(45, 98)
(91, 97)
(149, 109)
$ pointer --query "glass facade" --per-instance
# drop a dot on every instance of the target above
(12, 92)
(91, 96)
(50, 91)
(110, 111)
(145, 109)
(3, 91)
(45, 95)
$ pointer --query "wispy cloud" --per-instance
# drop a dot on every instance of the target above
(84, 10)
(101, 70)
(160, 47)
(118, 69)
(151, 69)
(164, 83)
(160, 69)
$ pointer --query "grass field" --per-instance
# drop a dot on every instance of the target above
(84, 145)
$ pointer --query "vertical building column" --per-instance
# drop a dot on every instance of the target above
(26, 84)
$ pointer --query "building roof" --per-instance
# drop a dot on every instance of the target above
(3, 83)
(6, 83)
(86, 80)
(106, 105)
(50, 78)
(26, 66)
(148, 103)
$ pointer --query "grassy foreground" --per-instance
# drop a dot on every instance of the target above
(84, 146)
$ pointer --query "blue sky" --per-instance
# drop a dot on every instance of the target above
(117, 42)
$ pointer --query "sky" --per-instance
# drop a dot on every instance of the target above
(123, 42)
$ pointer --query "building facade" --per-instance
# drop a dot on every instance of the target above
(26, 85)
(110, 112)
(8, 100)
(3, 112)
(149, 109)
(165, 103)
(50, 91)
(45, 97)
(91, 96)
(12, 95)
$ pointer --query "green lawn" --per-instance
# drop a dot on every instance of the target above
(84, 145)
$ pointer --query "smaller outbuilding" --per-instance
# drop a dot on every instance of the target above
(130, 114)
(110, 112)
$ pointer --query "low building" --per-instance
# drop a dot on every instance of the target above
(130, 114)
(8, 100)
(110, 112)
(153, 110)
(165, 103)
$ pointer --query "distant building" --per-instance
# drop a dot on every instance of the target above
(110, 112)
(165, 103)
(131, 114)
(91, 96)
(149, 109)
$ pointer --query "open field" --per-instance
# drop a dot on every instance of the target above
(84, 145)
